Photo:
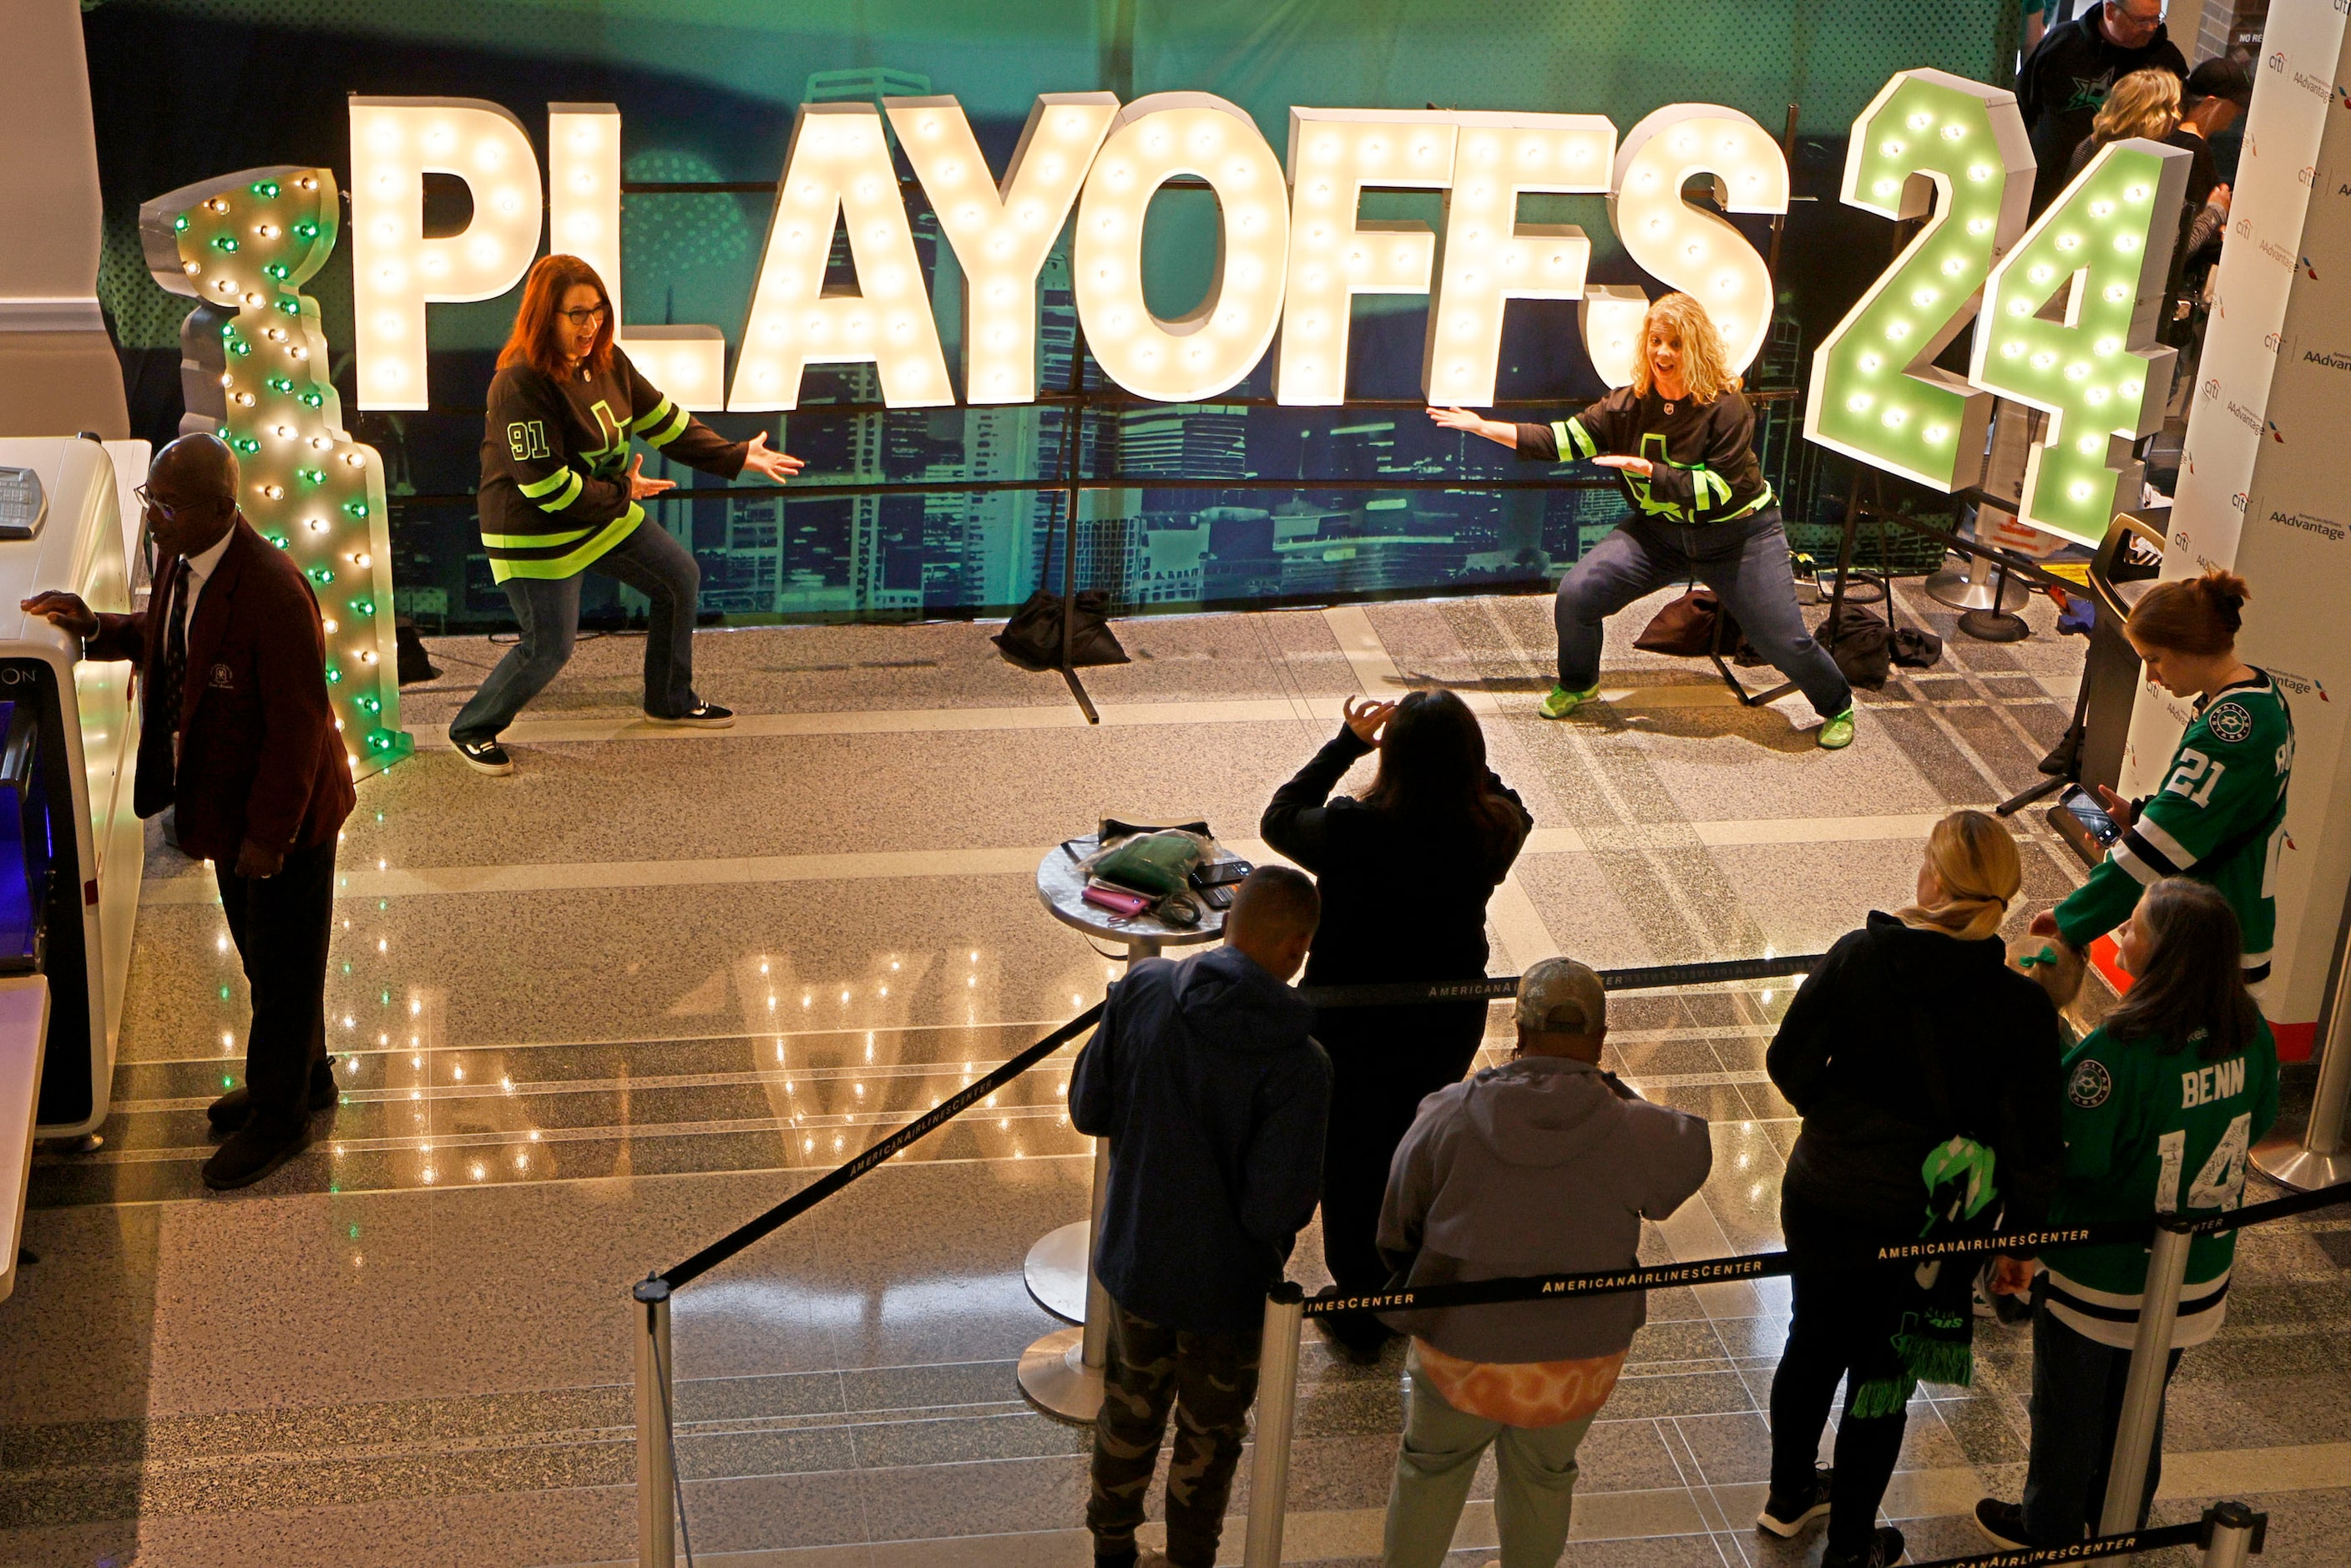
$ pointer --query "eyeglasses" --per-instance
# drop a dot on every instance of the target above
(167, 512)
(590, 316)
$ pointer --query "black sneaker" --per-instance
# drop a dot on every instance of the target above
(1783, 1515)
(1885, 1549)
(485, 756)
(2004, 1523)
(706, 715)
(253, 1152)
(234, 1108)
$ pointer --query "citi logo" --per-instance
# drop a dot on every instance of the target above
(2212, 387)
(2308, 176)
(2238, 500)
(2245, 227)
(2277, 59)
(2270, 341)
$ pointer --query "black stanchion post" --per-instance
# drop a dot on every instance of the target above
(2234, 1535)
(656, 1476)
(1277, 1406)
(2167, 1272)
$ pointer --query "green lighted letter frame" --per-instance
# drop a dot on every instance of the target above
(255, 368)
(1876, 393)
(2069, 324)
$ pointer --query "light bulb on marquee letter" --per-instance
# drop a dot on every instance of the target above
(395, 270)
(1002, 232)
(1487, 256)
(2106, 246)
(1929, 142)
(1214, 345)
(583, 219)
(1689, 248)
(839, 168)
(1336, 154)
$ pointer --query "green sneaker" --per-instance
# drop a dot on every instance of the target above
(1562, 702)
(1838, 733)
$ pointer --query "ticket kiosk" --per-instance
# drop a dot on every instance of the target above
(71, 849)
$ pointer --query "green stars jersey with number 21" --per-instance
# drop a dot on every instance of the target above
(2219, 817)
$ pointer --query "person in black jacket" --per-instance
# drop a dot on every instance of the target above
(2065, 79)
(1405, 871)
(1927, 1074)
(556, 501)
(1212, 1093)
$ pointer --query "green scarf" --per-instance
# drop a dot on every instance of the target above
(1933, 1319)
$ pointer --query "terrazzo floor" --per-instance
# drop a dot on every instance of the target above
(590, 1017)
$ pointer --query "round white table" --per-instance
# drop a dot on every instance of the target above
(1060, 1375)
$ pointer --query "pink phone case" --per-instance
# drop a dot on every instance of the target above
(1126, 903)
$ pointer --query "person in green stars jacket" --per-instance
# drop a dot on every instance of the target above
(2162, 1102)
(560, 497)
(2220, 816)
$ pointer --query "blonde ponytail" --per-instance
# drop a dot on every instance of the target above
(1974, 858)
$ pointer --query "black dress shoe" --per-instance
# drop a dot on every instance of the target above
(1883, 1550)
(234, 1108)
(253, 1152)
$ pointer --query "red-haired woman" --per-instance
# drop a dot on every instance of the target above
(557, 500)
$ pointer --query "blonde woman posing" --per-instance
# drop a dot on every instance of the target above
(1682, 442)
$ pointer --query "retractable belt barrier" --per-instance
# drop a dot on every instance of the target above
(1502, 988)
(2199, 1532)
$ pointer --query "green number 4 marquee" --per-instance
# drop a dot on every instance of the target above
(2064, 311)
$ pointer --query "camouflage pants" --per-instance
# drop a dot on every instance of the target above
(1211, 1381)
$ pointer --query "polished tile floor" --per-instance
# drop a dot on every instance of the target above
(590, 1017)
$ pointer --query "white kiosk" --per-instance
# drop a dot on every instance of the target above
(71, 850)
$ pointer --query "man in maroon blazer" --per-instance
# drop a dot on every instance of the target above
(237, 734)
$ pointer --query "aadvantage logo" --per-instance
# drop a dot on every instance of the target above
(2299, 685)
(2312, 523)
(2279, 254)
(2312, 83)
(2245, 416)
(2329, 359)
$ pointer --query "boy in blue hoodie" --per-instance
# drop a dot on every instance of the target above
(1212, 1094)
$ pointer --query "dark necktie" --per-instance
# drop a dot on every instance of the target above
(173, 675)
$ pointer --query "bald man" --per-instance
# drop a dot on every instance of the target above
(238, 735)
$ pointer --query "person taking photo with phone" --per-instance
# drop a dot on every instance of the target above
(2220, 816)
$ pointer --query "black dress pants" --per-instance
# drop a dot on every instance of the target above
(280, 926)
(1384, 1063)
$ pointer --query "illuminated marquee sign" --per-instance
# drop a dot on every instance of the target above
(2070, 331)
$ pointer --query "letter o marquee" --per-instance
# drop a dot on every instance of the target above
(1220, 340)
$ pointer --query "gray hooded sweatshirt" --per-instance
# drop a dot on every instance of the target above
(1536, 1166)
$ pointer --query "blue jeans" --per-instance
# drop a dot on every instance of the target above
(2077, 1403)
(1745, 562)
(547, 610)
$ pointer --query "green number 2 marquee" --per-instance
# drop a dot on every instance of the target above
(2068, 307)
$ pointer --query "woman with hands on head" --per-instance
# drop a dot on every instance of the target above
(1682, 442)
(1405, 869)
(560, 495)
